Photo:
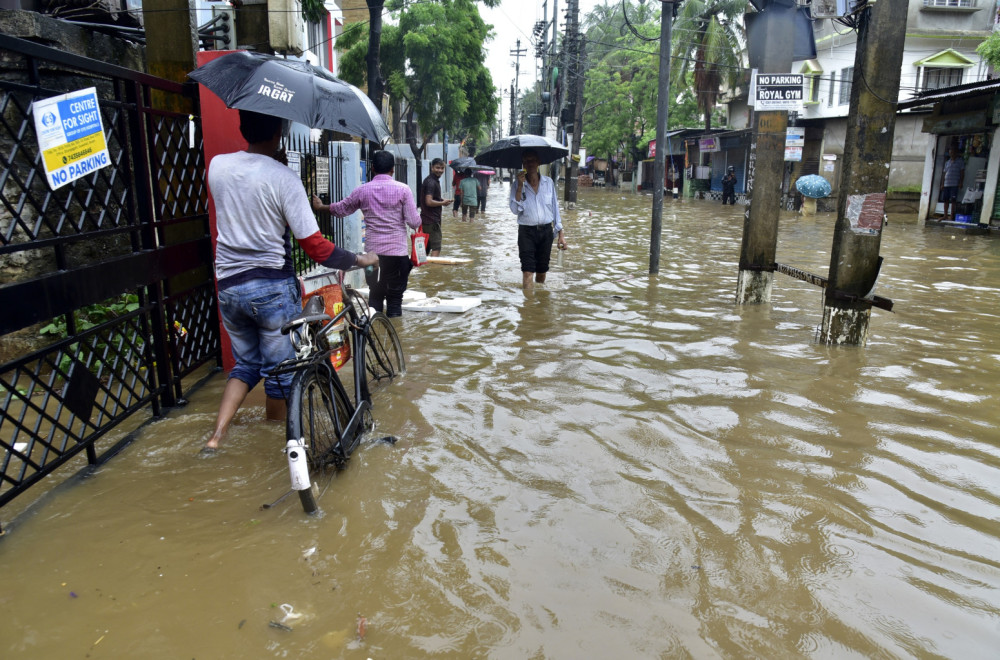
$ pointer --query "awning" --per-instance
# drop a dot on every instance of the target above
(811, 68)
(947, 58)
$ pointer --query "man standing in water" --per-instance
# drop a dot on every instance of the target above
(484, 184)
(389, 208)
(430, 206)
(259, 205)
(533, 199)
(729, 186)
(468, 190)
(951, 179)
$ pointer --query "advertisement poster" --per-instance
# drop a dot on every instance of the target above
(70, 136)
(709, 145)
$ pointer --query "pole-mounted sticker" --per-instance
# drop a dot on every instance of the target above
(865, 212)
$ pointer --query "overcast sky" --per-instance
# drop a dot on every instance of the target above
(513, 20)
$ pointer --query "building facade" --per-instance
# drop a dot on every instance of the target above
(939, 51)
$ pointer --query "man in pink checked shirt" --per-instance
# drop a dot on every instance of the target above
(389, 208)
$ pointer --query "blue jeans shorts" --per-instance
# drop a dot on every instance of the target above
(253, 313)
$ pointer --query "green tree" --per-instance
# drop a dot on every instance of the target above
(621, 89)
(708, 38)
(989, 50)
(433, 62)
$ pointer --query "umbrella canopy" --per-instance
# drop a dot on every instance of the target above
(813, 185)
(463, 163)
(293, 90)
(506, 152)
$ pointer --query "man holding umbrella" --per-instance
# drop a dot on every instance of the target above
(259, 205)
(533, 198)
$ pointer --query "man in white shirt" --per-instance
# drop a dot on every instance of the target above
(533, 199)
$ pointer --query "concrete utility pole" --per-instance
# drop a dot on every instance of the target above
(171, 47)
(552, 60)
(766, 168)
(376, 84)
(668, 9)
(513, 110)
(517, 53)
(574, 83)
(854, 259)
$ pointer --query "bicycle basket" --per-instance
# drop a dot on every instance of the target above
(332, 295)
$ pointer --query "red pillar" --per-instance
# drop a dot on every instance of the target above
(220, 130)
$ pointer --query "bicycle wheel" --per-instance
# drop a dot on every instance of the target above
(383, 352)
(318, 406)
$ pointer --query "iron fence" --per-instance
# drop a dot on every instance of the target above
(318, 167)
(108, 278)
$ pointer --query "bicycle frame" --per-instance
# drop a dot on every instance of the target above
(325, 423)
(358, 338)
(320, 359)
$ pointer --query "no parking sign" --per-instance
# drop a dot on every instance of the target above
(70, 136)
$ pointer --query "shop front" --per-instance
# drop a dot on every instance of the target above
(964, 122)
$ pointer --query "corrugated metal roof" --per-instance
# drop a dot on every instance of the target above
(951, 94)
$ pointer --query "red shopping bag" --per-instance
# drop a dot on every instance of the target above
(418, 251)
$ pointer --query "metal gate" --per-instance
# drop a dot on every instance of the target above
(112, 271)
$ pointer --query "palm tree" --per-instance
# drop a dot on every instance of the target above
(708, 40)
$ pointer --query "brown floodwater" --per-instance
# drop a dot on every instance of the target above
(613, 466)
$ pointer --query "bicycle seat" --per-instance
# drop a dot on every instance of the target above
(315, 311)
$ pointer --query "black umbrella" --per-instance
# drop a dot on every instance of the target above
(506, 152)
(463, 163)
(294, 90)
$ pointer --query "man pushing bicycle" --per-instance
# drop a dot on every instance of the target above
(259, 205)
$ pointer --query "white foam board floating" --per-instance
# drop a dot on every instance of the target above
(448, 260)
(435, 304)
(408, 296)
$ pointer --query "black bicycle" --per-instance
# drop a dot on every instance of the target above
(325, 423)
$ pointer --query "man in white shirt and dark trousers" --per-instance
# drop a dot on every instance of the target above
(533, 199)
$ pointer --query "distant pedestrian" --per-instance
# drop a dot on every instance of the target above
(468, 191)
(456, 179)
(430, 206)
(729, 186)
(389, 208)
(533, 199)
(484, 184)
(951, 179)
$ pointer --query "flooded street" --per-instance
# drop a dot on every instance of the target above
(613, 466)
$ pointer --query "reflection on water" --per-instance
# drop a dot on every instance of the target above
(613, 465)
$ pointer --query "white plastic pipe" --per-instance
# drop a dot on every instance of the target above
(298, 467)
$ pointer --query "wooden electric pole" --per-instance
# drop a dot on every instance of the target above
(854, 259)
(766, 165)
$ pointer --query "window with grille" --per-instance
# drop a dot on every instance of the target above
(846, 76)
(938, 77)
